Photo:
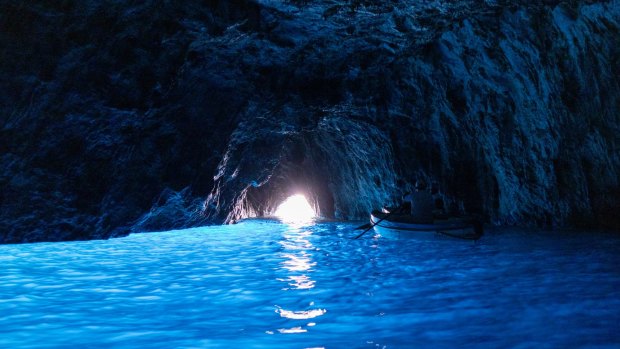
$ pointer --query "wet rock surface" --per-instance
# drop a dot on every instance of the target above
(121, 116)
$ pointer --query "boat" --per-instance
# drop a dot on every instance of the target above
(402, 226)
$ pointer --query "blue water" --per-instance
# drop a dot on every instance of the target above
(262, 284)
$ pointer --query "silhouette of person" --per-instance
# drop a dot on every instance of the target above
(422, 204)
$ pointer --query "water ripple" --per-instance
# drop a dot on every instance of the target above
(218, 287)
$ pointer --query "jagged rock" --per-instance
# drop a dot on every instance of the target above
(511, 108)
(173, 210)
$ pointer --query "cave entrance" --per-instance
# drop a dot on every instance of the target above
(295, 209)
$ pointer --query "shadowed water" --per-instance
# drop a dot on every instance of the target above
(264, 284)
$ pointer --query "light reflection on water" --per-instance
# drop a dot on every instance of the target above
(299, 282)
(263, 284)
(297, 254)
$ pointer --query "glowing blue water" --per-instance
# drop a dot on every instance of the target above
(262, 284)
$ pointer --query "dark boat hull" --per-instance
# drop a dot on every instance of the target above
(403, 227)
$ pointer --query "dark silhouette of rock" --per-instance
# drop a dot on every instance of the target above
(124, 116)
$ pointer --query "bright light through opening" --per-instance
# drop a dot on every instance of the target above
(295, 209)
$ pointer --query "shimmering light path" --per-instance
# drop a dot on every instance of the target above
(262, 284)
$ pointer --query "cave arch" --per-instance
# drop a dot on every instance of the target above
(335, 164)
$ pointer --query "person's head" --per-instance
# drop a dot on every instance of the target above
(420, 185)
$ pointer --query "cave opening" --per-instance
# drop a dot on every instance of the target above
(289, 199)
(299, 192)
(295, 209)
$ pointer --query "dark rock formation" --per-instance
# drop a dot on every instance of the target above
(121, 114)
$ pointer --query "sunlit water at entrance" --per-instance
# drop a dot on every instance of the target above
(261, 284)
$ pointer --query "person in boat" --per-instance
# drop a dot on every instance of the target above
(422, 203)
(439, 210)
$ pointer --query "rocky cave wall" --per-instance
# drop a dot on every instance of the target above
(121, 116)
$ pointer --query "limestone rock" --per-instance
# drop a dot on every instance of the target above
(510, 107)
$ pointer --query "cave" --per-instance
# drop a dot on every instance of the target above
(158, 115)
(309, 174)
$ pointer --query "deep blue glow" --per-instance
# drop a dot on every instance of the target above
(263, 284)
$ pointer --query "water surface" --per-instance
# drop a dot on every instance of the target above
(261, 284)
